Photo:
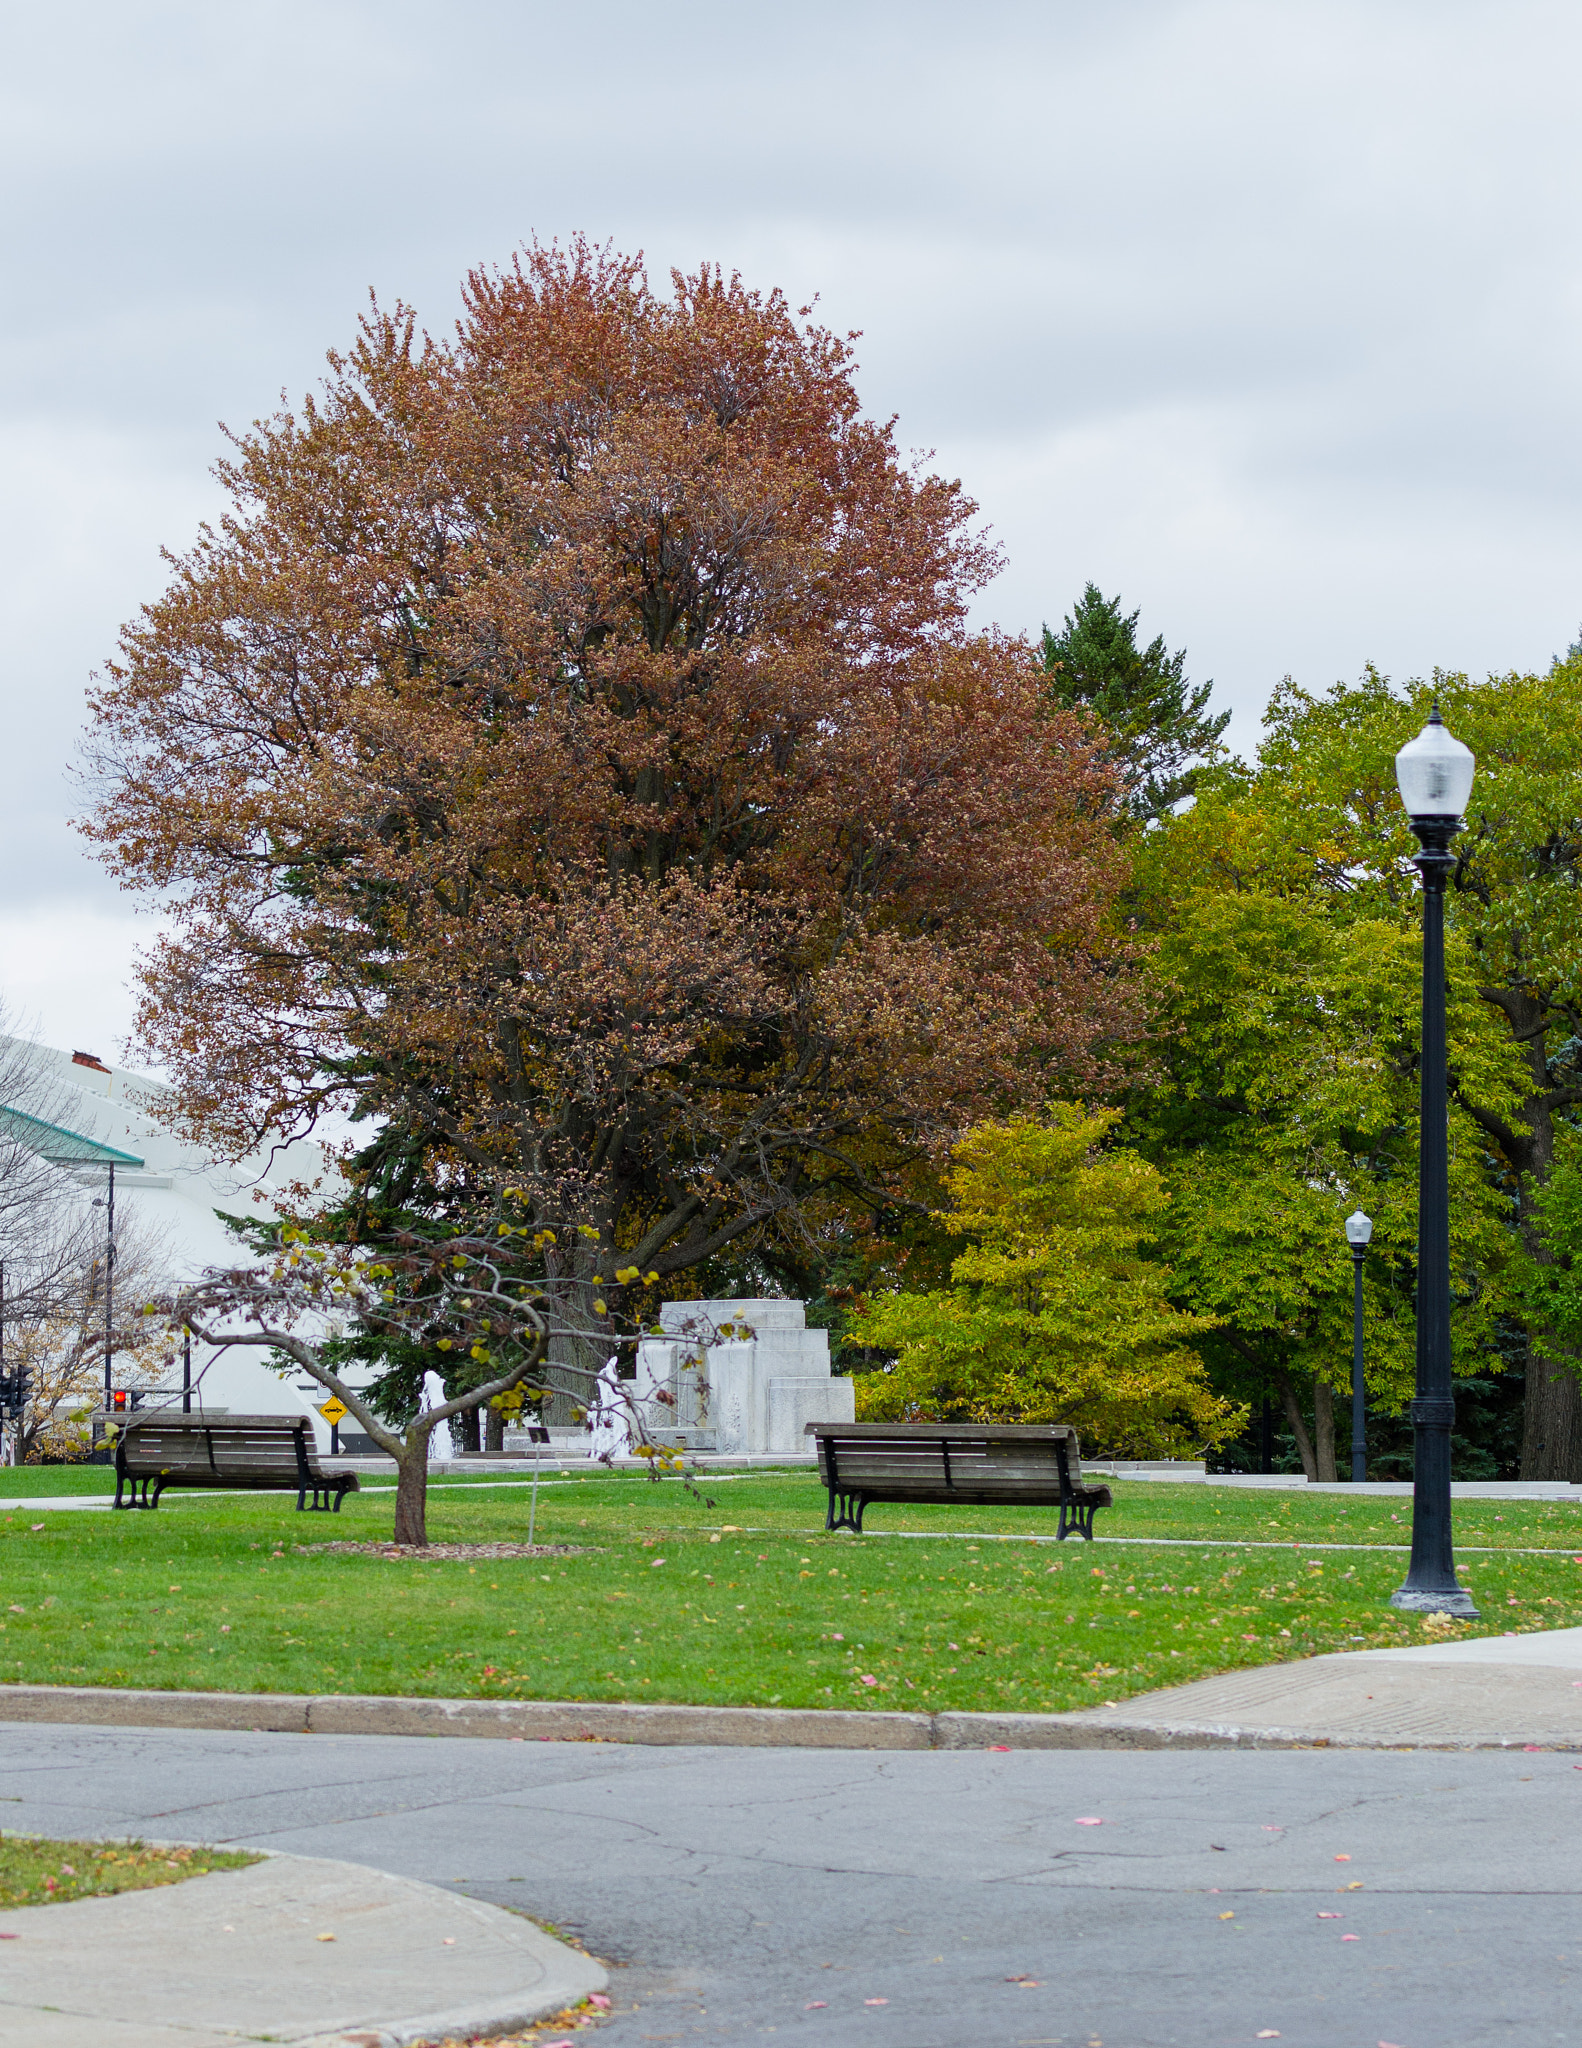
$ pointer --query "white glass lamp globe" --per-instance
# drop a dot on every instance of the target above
(1359, 1228)
(1434, 772)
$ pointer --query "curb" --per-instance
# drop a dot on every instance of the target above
(579, 1974)
(301, 1889)
(676, 1726)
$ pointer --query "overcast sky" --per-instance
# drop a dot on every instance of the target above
(1263, 315)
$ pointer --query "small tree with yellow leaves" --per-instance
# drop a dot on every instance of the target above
(1055, 1312)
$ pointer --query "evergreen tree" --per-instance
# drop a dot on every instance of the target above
(1161, 723)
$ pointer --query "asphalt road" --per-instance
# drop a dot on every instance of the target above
(930, 1900)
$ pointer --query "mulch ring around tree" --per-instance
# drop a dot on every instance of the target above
(445, 1550)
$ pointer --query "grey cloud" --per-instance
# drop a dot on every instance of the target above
(1265, 316)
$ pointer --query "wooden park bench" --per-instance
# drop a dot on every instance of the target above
(161, 1447)
(978, 1464)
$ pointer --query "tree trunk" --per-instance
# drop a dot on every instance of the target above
(494, 1428)
(465, 1427)
(1324, 1430)
(1551, 1416)
(1298, 1422)
(411, 1505)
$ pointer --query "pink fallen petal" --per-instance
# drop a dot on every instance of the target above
(1532, 1748)
(598, 1999)
(870, 1681)
(10, 1937)
(1089, 1820)
(1005, 1746)
(1389, 2044)
(876, 2001)
(1268, 2034)
(1331, 1916)
(1351, 1937)
(816, 2005)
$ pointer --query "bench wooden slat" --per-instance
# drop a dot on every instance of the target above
(981, 1464)
(276, 1453)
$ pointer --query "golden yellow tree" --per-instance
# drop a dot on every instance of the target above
(1055, 1313)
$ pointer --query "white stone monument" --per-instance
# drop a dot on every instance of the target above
(739, 1396)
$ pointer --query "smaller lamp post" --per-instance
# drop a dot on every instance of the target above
(1359, 1229)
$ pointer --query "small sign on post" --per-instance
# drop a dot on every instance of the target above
(332, 1410)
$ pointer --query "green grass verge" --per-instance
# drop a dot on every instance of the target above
(214, 1593)
(41, 1481)
(34, 1872)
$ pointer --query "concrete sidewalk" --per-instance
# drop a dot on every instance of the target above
(1501, 1692)
(242, 1955)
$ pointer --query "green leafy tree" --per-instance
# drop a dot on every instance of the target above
(1286, 1096)
(1161, 725)
(1514, 913)
(1054, 1311)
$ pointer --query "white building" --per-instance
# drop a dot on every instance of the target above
(176, 1190)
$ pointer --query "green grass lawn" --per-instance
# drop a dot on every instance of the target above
(40, 1480)
(666, 1601)
(34, 1872)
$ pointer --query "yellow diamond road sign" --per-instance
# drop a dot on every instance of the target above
(333, 1409)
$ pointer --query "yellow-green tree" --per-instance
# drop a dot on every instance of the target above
(1054, 1312)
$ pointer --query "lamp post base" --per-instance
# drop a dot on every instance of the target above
(1455, 1602)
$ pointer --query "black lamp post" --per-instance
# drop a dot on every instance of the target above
(1359, 1229)
(1434, 772)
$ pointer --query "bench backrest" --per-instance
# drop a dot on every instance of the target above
(979, 1457)
(192, 1446)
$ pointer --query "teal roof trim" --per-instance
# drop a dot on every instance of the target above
(58, 1145)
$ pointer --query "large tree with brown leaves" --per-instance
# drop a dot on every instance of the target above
(570, 749)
